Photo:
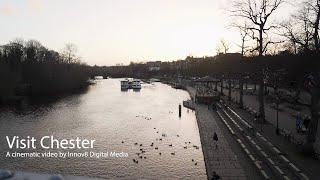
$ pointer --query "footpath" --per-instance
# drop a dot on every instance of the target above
(221, 160)
(286, 116)
(310, 166)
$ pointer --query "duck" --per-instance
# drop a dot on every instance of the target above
(135, 143)
(170, 145)
(173, 153)
(140, 144)
(195, 164)
(185, 147)
(192, 160)
(156, 148)
(178, 135)
(122, 142)
(160, 154)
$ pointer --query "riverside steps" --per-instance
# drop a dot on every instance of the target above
(222, 160)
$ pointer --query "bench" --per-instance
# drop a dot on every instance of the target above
(297, 140)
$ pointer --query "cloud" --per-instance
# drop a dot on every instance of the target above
(35, 6)
(7, 10)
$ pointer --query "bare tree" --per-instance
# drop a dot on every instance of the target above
(244, 34)
(298, 29)
(315, 8)
(70, 53)
(312, 85)
(258, 13)
(223, 47)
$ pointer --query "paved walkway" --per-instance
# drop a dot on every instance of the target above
(286, 117)
(222, 160)
(308, 165)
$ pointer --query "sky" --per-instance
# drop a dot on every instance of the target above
(108, 32)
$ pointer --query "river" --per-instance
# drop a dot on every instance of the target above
(116, 120)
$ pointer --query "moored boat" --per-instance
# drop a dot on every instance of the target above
(136, 84)
(125, 84)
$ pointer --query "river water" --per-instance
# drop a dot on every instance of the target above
(116, 120)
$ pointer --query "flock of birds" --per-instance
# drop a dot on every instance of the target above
(141, 155)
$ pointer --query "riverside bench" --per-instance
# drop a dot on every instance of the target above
(297, 140)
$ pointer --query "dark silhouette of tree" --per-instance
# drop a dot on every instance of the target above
(29, 68)
(222, 47)
(258, 12)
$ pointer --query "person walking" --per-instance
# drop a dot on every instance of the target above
(215, 139)
(215, 176)
(298, 122)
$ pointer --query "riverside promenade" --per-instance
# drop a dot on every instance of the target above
(222, 160)
(286, 115)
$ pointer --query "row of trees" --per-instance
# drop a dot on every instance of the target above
(29, 68)
(301, 32)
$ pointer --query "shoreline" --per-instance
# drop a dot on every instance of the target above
(221, 160)
(204, 151)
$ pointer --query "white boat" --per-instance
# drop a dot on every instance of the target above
(124, 84)
(154, 80)
(136, 84)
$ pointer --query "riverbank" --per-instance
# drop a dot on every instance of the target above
(22, 100)
(221, 160)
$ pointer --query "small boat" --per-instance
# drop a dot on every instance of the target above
(125, 84)
(136, 84)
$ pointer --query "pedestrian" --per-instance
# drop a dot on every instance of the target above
(215, 176)
(215, 139)
(298, 122)
(306, 121)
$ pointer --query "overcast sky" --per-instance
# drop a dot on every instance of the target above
(107, 32)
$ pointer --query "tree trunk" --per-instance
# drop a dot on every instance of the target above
(229, 87)
(316, 33)
(241, 93)
(261, 81)
(261, 98)
(255, 86)
(221, 91)
(297, 95)
(265, 88)
(261, 41)
(313, 126)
